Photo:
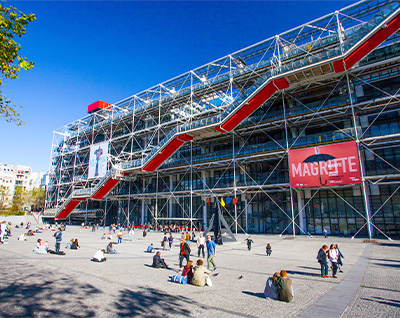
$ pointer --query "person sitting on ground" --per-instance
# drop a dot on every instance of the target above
(109, 236)
(271, 290)
(104, 236)
(159, 262)
(188, 271)
(75, 245)
(99, 256)
(268, 249)
(110, 249)
(41, 248)
(30, 233)
(285, 287)
(200, 277)
(37, 246)
(22, 237)
(69, 243)
(150, 248)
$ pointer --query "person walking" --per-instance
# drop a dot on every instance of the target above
(144, 234)
(119, 236)
(211, 252)
(249, 241)
(325, 232)
(322, 258)
(201, 241)
(58, 236)
(170, 240)
(333, 257)
(184, 252)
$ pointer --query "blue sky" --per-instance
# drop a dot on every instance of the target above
(109, 50)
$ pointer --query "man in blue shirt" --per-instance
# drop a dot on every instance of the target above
(150, 248)
(211, 252)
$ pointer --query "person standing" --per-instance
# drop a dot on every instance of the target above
(340, 256)
(211, 252)
(201, 241)
(119, 236)
(325, 232)
(249, 241)
(184, 252)
(164, 241)
(268, 249)
(170, 240)
(144, 234)
(131, 233)
(322, 258)
(333, 257)
(58, 236)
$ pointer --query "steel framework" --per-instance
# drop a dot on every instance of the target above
(225, 129)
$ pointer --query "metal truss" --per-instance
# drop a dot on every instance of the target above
(137, 125)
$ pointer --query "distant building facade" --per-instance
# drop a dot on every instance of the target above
(12, 176)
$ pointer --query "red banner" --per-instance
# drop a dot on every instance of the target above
(329, 165)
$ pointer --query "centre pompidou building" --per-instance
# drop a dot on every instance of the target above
(295, 134)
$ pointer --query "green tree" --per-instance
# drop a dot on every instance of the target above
(3, 197)
(18, 199)
(35, 198)
(12, 24)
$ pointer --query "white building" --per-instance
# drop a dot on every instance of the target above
(12, 176)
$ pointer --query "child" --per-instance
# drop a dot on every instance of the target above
(268, 249)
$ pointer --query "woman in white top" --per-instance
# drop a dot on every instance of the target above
(99, 256)
(333, 257)
(201, 241)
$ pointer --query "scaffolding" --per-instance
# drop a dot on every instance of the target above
(224, 130)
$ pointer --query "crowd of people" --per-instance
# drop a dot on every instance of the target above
(279, 286)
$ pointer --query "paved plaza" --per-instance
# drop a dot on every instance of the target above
(33, 285)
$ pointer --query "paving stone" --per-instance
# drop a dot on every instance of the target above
(33, 285)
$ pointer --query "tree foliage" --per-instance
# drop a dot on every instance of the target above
(22, 199)
(12, 24)
(3, 196)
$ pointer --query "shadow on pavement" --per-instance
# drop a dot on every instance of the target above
(259, 295)
(384, 301)
(149, 301)
(31, 294)
(388, 265)
(305, 273)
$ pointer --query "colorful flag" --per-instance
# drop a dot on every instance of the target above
(222, 202)
(235, 201)
(228, 200)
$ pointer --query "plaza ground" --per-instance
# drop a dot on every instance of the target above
(126, 285)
